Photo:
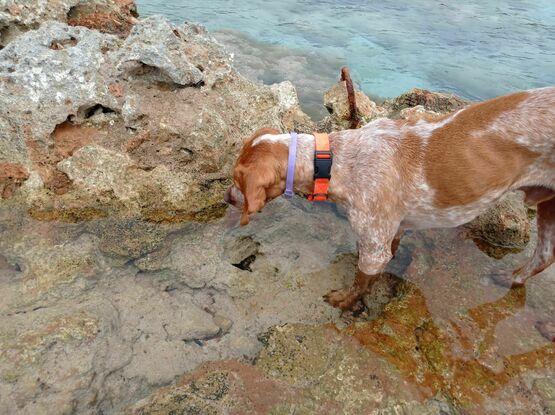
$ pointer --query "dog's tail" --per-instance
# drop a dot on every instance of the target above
(346, 77)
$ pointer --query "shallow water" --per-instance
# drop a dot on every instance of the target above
(113, 297)
(476, 49)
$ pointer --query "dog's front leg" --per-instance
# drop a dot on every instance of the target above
(346, 298)
(375, 251)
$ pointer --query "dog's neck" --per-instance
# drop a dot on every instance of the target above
(304, 165)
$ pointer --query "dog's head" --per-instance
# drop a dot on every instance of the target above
(259, 174)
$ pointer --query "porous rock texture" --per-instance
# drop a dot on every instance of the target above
(146, 127)
(431, 101)
(108, 16)
(503, 228)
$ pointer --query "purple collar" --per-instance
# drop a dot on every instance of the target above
(291, 166)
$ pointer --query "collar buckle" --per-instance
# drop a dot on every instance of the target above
(322, 164)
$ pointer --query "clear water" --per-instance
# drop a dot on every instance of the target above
(127, 280)
(477, 48)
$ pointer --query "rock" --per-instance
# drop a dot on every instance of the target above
(504, 228)
(108, 16)
(223, 323)
(546, 388)
(216, 389)
(414, 105)
(302, 369)
(42, 83)
(418, 112)
(47, 266)
(337, 104)
(538, 294)
(421, 355)
(161, 299)
(17, 17)
(128, 238)
(12, 175)
(294, 119)
(126, 307)
(431, 101)
(154, 44)
(116, 17)
(380, 294)
(88, 116)
(432, 354)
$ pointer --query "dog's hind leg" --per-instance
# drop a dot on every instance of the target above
(543, 256)
(536, 194)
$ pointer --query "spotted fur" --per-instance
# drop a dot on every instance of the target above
(393, 175)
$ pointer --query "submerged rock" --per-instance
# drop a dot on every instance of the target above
(503, 228)
(302, 369)
(97, 315)
(442, 344)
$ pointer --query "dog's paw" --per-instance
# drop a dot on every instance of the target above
(343, 299)
(546, 329)
(505, 279)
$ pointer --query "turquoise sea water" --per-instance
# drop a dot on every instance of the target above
(477, 49)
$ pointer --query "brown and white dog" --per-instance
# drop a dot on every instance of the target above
(393, 175)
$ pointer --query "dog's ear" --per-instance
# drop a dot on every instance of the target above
(257, 170)
(253, 187)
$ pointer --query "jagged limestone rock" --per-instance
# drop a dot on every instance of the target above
(143, 127)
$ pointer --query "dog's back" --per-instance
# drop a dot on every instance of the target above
(470, 158)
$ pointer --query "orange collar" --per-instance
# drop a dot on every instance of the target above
(323, 159)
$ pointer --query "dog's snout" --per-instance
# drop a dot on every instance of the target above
(227, 196)
(234, 197)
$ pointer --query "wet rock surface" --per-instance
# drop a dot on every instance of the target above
(110, 315)
(117, 297)
(446, 342)
(98, 314)
(503, 228)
